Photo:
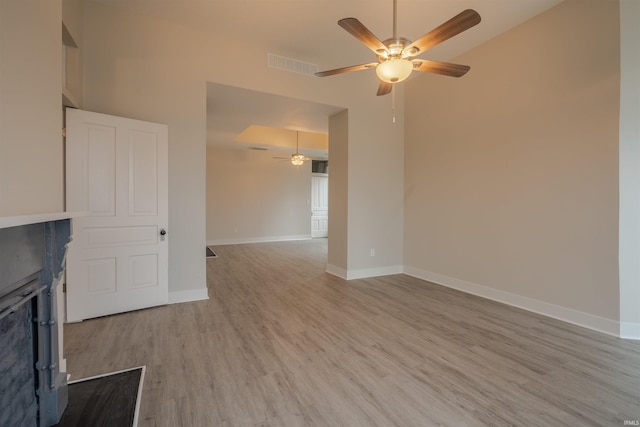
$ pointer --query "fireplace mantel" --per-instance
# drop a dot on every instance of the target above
(32, 251)
(16, 221)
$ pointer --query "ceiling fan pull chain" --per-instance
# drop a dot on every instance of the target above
(393, 105)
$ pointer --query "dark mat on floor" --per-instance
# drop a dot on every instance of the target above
(109, 400)
(210, 253)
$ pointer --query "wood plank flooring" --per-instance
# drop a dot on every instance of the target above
(282, 343)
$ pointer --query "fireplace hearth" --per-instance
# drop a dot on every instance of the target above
(33, 391)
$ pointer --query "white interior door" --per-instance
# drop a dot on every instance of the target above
(116, 171)
(319, 205)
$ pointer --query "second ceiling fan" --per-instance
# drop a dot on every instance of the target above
(296, 158)
(396, 56)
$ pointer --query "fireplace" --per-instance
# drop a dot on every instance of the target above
(33, 390)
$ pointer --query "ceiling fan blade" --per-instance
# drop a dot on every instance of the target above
(443, 68)
(384, 88)
(459, 23)
(346, 69)
(362, 33)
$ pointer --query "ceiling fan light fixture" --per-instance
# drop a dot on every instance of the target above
(394, 70)
(395, 54)
(297, 159)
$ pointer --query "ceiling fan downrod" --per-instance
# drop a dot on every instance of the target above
(395, 19)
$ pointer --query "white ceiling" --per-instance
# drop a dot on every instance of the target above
(307, 30)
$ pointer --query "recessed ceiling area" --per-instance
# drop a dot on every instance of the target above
(312, 144)
(239, 118)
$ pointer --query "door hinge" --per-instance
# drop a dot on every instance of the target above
(64, 132)
(64, 288)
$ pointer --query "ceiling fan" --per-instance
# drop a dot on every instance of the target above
(296, 158)
(396, 55)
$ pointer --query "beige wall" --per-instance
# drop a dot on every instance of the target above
(155, 70)
(31, 148)
(512, 171)
(338, 193)
(252, 197)
(72, 15)
(376, 202)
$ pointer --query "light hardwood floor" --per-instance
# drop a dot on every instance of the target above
(282, 343)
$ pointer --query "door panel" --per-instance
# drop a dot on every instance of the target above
(101, 275)
(319, 206)
(117, 173)
(143, 176)
(143, 271)
(99, 170)
(120, 236)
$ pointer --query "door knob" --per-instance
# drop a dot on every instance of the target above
(163, 233)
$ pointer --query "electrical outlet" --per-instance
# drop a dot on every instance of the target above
(372, 252)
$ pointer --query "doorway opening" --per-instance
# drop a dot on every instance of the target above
(254, 193)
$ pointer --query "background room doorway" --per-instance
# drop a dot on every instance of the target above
(254, 192)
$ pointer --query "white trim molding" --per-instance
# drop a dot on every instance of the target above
(262, 239)
(337, 271)
(629, 170)
(363, 273)
(630, 331)
(15, 221)
(565, 314)
(189, 295)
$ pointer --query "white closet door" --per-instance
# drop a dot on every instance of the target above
(319, 206)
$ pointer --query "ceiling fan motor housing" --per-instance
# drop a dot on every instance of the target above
(395, 49)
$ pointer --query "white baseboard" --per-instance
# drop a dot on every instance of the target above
(569, 315)
(630, 331)
(190, 295)
(337, 271)
(363, 273)
(262, 239)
